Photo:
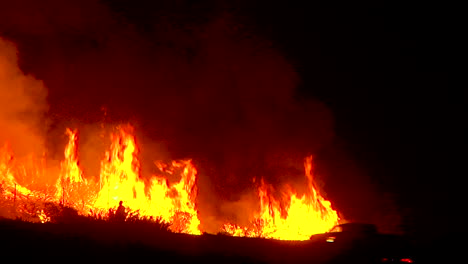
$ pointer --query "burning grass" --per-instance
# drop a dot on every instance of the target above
(171, 206)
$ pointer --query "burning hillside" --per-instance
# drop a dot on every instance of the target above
(236, 146)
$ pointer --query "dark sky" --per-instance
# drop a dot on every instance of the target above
(367, 81)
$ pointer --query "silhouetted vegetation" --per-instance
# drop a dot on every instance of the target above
(59, 214)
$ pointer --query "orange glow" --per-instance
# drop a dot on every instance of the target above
(406, 260)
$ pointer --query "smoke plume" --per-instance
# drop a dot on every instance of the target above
(22, 105)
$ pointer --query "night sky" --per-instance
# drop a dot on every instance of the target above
(364, 87)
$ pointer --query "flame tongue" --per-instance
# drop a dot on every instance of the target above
(119, 179)
(71, 177)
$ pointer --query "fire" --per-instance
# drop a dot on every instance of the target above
(43, 216)
(302, 217)
(119, 180)
(290, 217)
(33, 187)
(179, 200)
(11, 170)
(71, 176)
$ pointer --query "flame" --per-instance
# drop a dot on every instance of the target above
(8, 180)
(289, 217)
(43, 216)
(71, 176)
(119, 180)
(177, 204)
(33, 188)
(10, 171)
(17, 200)
(303, 216)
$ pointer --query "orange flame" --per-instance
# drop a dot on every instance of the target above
(71, 176)
(293, 217)
(177, 203)
(17, 200)
(10, 170)
(304, 216)
(120, 181)
(7, 176)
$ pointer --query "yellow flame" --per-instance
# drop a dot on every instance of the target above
(70, 173)
(43, 217)
(306, 215)
(296, 217)
(8, 169)
(120, 182)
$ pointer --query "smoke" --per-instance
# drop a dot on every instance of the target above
(22, 105)
(207, 89)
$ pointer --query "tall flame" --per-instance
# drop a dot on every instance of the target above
(71, 175)
(119, 179)
(120, 182)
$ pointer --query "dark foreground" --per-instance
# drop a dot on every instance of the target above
(131, 243)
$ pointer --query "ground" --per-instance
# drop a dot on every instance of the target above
(126, 242)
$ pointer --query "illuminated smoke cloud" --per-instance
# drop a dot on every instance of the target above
(22, 105)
